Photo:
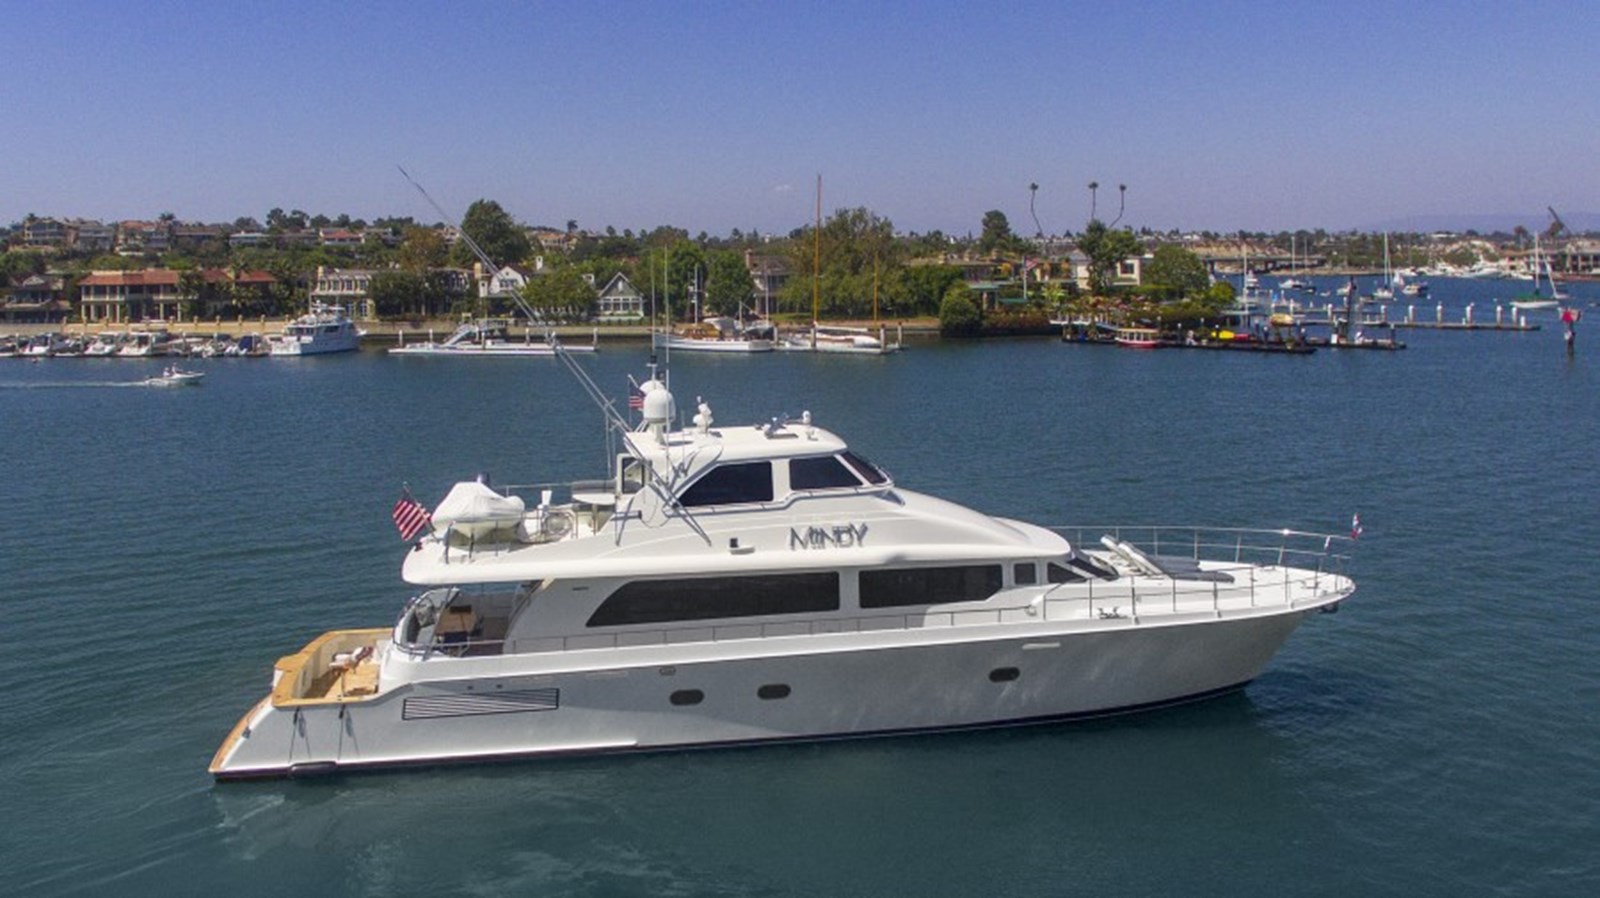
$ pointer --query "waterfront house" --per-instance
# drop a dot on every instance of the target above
(39, 299)
(347, 287)
(161, 294)
(121, 297)
(768, 273)
(508, 280)
(619, 302)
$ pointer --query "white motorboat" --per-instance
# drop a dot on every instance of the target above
(45, 345)
(490, 338)
(323, 330)
(144, 343)
(173, 376)
(715, 334)
(764, 583)
(105, 344)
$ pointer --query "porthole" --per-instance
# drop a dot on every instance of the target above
(773, 691)
(687, 697)
(1004, 674)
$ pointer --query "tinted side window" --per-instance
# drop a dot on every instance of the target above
(1059, 574)
(731, 485)
(820, 474)
(929, 585)
(707, 598)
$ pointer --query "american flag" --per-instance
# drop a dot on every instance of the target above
(635, 398)
(410, 516)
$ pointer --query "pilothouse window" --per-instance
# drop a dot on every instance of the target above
(822, 473)
(734, 484)
(869, 471)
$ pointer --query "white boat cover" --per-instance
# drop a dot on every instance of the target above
(470, 505)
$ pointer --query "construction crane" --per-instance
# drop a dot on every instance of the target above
(1556, 225)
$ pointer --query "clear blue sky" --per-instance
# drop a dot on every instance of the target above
(713, 116)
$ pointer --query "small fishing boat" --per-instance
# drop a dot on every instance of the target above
(173, 376)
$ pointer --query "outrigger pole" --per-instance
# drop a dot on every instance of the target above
(488, 263)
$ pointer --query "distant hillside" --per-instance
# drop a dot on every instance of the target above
(1486, 223)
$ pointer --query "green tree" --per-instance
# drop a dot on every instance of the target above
(997, 236)
(728, 282)
(422, 249)
(191, 293)
(1106, 249)
(559, 295)
(926, 286)
(399, 293)
(500, 238)
(958, 314)
(1179, 270)
(681, 265)
(856, 258)
(16, 267)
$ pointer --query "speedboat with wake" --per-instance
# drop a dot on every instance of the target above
(173, 376)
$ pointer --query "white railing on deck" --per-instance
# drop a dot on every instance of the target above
(1270, 568)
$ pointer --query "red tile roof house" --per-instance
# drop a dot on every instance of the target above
(155, 294)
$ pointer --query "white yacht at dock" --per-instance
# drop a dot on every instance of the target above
(745, 583)
(323, 330)
(835, 338)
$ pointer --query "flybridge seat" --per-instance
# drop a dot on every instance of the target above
(1172, 567)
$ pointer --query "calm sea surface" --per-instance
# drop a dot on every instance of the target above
(1439, 736)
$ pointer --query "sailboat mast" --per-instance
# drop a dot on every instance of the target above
(816, 267)
(874, 289)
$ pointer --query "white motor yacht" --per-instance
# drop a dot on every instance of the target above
(325, 329)
(754, 583)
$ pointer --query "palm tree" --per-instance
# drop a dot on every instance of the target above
(1033, 190)
(1122, 200)
(1094, 186)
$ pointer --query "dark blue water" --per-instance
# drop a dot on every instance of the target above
(1439, 736)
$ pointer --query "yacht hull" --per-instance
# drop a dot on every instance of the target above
(810, 687)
